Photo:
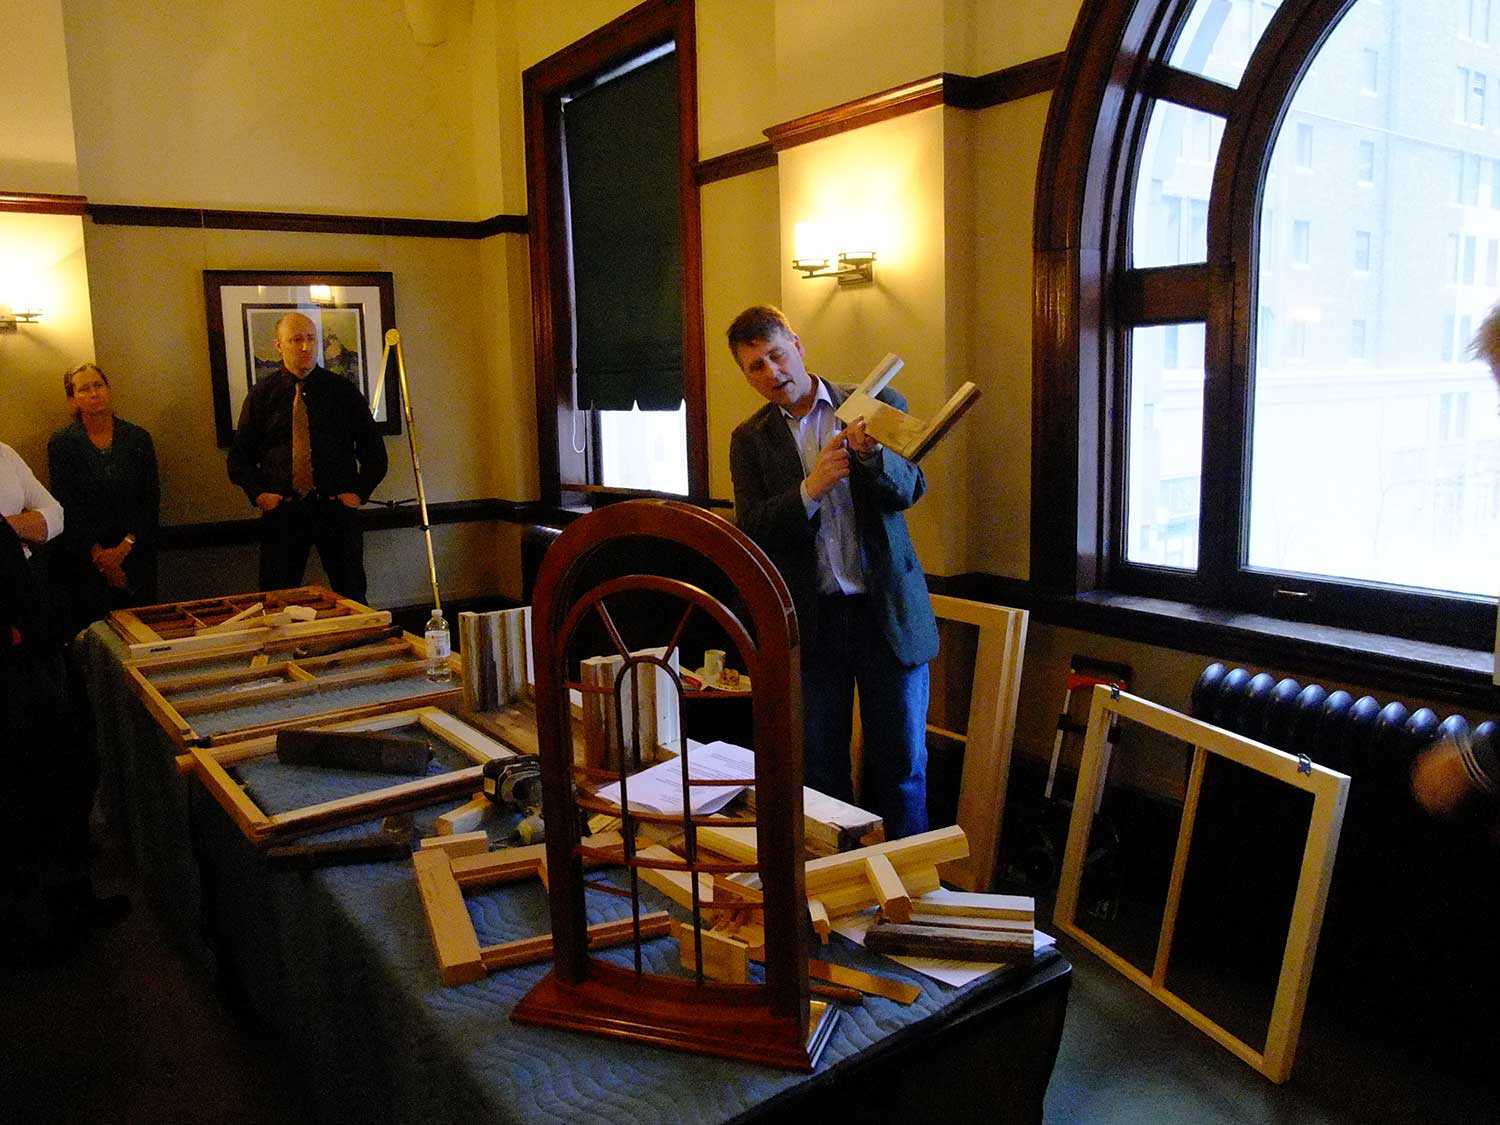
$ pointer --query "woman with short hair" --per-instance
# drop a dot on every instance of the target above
(104, 473)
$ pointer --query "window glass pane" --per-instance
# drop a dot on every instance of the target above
(1375, 444)
(644, 449)
(1164, 448)
(1172, 184)
(1219, 35)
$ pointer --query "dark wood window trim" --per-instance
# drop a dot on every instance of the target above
(1085, 302)
(543, 86)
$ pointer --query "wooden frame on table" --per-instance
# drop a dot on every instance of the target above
(211, 765)
(442, 877)
(296, 675)
(207, 624)
(1329, 790)
(350, 311)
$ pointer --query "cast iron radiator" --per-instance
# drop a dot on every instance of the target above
(1413, 918)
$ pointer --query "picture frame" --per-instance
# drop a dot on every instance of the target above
(350, 309)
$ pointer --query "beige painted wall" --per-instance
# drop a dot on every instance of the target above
(741, 267)
(36, 117)
(274, 104)
(41, 261)
(737, 69)
(833, 51)
(886, 182)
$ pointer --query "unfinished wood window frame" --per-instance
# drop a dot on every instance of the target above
(211, 766)
(144, 636)
(1329, 790)
(299, 676)
(989, 733)
(443, 874)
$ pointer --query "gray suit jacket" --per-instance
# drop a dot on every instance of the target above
(767, 473)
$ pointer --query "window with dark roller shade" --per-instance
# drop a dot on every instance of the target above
(620, 145)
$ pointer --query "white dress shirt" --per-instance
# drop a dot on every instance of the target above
(840, 570)
(20, 491)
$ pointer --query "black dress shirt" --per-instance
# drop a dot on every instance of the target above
(348, 454)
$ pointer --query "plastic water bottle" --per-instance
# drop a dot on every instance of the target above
(439, 645)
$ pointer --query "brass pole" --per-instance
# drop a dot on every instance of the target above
(393, 340)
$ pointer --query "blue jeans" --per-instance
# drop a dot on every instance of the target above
(849, 650)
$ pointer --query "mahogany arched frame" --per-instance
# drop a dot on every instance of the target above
(1086, 300)
(767, 1023)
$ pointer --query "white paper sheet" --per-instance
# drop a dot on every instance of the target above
(659, 789)
(950, 972)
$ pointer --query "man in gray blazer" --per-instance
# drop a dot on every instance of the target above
(826, 503)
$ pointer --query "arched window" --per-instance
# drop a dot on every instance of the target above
(1266, 233)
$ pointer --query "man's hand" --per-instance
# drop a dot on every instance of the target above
(107, 559)
(267, 501)
(30, 526)
(832, 466)
(859, 439)
(348, 499)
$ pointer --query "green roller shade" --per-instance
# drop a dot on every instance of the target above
(621, 148)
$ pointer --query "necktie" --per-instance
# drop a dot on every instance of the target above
(302, 469)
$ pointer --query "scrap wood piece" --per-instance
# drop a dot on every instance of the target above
(393, 841)
(887, 887)
(822, 926)
(676, 885)
(601, 935)
(872, 984)
(458, 846)
(463, 819)
(944, 942)
(1014, 908)
(725, 957)
(954, 922)
(229, 623)
(369, 750)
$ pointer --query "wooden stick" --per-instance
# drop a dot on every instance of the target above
(903, 992)
(601, 935)
(464, 844)
(1013, 908)
(256, 610)
(448, 922)
(894, 902)
(465, 818)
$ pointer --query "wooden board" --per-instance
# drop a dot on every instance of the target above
(165, 687)
(1329, 790)
(212, 624)
(211, 767)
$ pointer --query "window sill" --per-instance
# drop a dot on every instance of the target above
(1408, 669)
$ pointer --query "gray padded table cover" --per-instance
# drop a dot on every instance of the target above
(339, 960)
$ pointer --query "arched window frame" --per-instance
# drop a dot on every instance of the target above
(1087, 299)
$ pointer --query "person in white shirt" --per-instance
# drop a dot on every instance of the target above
(26, 505)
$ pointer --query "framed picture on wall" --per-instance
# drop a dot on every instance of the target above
(350, 312)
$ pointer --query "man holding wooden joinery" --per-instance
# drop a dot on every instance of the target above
(826, 503)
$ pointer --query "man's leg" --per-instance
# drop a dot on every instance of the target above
(893, 715)
(284, 543)
(828, 702)
(341, 549)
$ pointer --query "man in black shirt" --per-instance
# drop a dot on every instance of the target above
(307, 454)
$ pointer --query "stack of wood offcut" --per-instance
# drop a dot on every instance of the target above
(958, 926)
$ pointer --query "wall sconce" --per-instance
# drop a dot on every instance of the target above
(10, 319)
(853, 267)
